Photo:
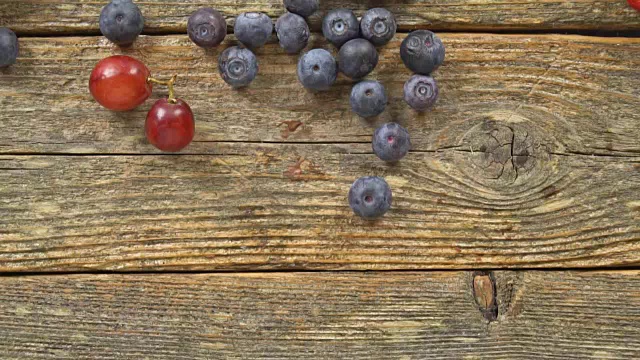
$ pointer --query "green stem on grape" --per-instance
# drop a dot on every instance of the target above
(169, 83)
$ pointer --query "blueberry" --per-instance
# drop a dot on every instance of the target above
(207, 28)
(293, 32)
(378, 25)
(391, 142)
(422, 52)
(421, 92)
(340, 26)
(238, 66)
(317, 70)
(370, 197)
(253, 29)
(301, 7)
(368, 98)
(121, 22)
(357, 58)
(8, 47)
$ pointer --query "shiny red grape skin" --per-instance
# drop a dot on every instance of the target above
(120, 83)
(170, 126)
(634, 4)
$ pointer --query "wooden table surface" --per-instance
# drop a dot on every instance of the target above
(515, 231)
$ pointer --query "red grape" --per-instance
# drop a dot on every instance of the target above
(120, 83)
(635, 4)
(170, 126)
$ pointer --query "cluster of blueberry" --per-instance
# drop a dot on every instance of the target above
(356, 41)
(422, 52)
(238, 66)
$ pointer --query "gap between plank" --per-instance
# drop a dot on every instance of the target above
(97, 154)
(303, 271)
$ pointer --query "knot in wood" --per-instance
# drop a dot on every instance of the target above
(484, 293)
(501, 152)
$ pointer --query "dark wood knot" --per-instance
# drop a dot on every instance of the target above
(501, 151)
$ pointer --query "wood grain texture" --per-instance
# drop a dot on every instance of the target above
(162, 16)
(543, 315)
(530, 159)
(278, 206)
(573, 94)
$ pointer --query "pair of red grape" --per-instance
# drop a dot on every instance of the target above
(122, 83)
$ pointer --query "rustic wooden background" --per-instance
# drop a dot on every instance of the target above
(515, 232)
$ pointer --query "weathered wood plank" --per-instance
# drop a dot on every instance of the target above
(578, 94)
(542, 315)
(278, 206)
(162, 16)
